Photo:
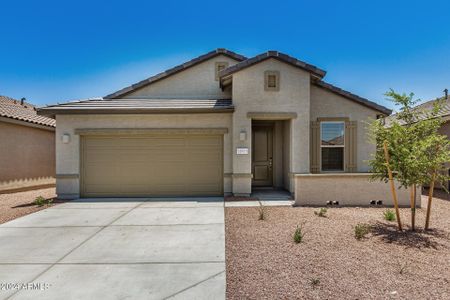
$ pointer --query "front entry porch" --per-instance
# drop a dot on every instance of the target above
(270, 156)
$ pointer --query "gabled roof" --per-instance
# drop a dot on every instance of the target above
(139, 106)
(276, 55)
(353, 97)
(174, 70)
(14, 109)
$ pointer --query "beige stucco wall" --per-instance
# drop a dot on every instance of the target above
(249, 96)
(350, 189)
(68, 155)
(27, 156)
(328, 104)
(197, 82)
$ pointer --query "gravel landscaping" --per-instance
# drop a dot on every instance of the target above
(263, 262)
(15, 205)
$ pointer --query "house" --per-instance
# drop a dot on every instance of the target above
(27, 147)
(219, 124)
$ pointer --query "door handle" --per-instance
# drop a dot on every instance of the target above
(270, 162)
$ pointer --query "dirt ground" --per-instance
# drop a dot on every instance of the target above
(263, 262)
(18, 204)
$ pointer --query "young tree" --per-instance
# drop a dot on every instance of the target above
(413, 152)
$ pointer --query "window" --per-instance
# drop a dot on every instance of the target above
(220, 65)
(332, 143)
(272, 81)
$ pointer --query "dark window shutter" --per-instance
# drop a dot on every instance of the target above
(315, 147)
(350, 147)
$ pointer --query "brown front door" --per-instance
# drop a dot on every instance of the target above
(262, 155)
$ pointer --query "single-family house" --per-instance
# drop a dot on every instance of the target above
(218, 124)
(27, 147)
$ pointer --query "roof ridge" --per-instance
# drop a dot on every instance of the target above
(277, 55)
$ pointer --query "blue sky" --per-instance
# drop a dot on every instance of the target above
(54, 51)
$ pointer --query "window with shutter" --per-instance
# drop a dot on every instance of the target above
(333, 144)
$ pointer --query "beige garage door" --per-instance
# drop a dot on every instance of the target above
(141, 166)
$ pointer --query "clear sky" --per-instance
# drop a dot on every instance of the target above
(54, 51)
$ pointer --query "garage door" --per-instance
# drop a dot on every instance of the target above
(141, 166)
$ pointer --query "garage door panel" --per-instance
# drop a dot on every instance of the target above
(152, 166)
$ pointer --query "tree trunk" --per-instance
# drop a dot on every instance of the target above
(391, 180)
(430, 199)
(413, 207)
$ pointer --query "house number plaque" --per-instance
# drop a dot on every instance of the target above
(241, 151)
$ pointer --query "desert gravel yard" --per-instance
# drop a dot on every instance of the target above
(263, 262)
(14, 205)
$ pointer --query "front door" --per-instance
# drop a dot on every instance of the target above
(262, 154)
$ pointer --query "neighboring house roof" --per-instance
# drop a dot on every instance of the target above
(13, 109)
(353, 97)
(139, 106)
(276, 55)
(424, 110)
(174, 70)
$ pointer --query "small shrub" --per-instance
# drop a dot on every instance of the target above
(402, 267)
(262, 212)
(389, 215)
(361, 230)
(299, 234)
(315, 281)
(40, 201)
(322, 212)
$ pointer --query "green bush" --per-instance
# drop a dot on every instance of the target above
(41, 201)
(322, 212)
(361, 230)
(299, 234)
(389, 215)
(315, 281)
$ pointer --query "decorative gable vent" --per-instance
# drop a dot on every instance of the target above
(271, 81)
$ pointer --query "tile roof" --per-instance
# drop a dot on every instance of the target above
(353, 97)
(424, 110)
(276, 55)
(11, 108)
(138, 106)
(174, 70)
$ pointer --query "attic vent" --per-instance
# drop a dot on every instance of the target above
(272, 81)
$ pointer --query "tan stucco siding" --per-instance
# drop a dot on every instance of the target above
(325, 104)
(249, 95)
(197, 82)
(27, 156)
(349, 189)
(68, 155)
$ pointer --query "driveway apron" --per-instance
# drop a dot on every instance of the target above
(116, 249)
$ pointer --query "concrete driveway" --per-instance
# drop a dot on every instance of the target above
(116, 249)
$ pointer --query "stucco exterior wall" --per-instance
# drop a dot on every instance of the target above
(350, 189)
(68, 155)
(249, 95)
(197, 82)
(327, 104)
(27, 157)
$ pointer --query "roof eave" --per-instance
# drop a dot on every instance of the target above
(353, 97)
(200, 59)
(102, 111)
(315, 71)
